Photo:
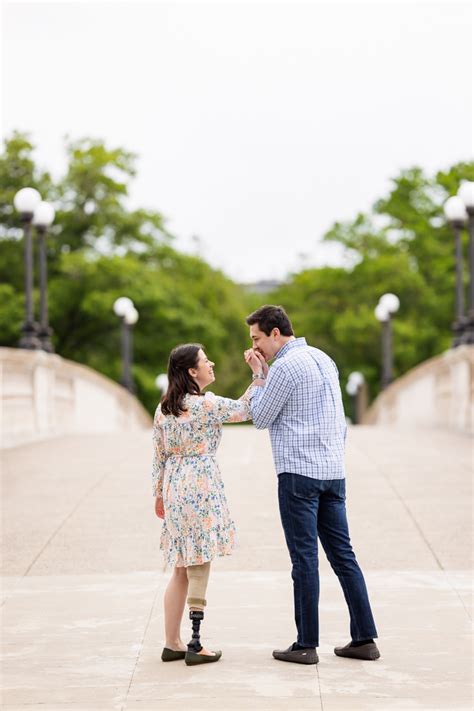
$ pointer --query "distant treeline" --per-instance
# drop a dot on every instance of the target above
(99, 250)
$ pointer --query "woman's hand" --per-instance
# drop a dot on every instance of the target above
(256, 361)
(159, 507)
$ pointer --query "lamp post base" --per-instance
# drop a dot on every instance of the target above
(29, 337)
(44, 336)
(459, 329)
(130, 386)
(467, 336)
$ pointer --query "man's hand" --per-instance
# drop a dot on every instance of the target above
(159, 507)
(256, 361)
(263, 363)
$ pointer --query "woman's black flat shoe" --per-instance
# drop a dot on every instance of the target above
(193, 658)
(169, 655)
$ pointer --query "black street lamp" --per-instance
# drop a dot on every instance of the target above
(455, 213)
(42, 219)
(161, 382)
(355, 389)
(388, 305)
(126, 311)
(25, 201)
(466, 193)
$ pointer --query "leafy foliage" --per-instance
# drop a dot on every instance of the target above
(99, 250)
(403, 246)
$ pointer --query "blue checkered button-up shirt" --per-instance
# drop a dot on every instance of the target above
(301, 404)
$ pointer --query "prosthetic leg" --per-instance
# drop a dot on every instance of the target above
(198, 576)
(196, 617)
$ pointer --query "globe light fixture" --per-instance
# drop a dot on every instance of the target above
(356, 378)
(131, 316)
(351, 388)
(26, 200)
(43, 215)
(455, 210)
(466, 193)
(381, 312)
(161, 382)
(390, 302)
(122, 305)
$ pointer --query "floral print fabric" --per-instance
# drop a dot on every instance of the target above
(197, 526)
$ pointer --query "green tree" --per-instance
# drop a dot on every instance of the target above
(99, 250)
(404, 246)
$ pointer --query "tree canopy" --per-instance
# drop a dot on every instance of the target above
(402, 246)
(100, 249)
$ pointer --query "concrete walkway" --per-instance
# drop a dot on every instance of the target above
(82, 622)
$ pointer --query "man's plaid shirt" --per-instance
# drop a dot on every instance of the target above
(301, 405)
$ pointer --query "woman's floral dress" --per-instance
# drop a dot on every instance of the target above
(197, 526)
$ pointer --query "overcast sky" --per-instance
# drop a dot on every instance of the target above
(258, 124)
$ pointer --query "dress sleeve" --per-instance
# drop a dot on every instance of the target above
(159, 458)
(224, 409)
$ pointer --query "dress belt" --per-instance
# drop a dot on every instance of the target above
(186, 456)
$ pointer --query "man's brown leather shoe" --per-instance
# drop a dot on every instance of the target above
(368, 651)
(298, 656)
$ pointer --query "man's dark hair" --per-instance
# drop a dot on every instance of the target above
(269, 317)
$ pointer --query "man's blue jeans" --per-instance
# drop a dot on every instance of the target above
(312, 508)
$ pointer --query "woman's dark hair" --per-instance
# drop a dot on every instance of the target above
(269, 317)
(179, 381)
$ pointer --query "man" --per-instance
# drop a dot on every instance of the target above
(300, 402)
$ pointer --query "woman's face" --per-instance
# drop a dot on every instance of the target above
(203, 373)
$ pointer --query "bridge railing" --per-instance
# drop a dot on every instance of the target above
(44, 395)
(437, 393)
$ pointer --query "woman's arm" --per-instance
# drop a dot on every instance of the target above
(224, 409)
(158, 467)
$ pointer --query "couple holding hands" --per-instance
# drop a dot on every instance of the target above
(299, 400)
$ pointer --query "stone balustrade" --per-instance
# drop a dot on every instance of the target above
(437, 393)
(43, 395)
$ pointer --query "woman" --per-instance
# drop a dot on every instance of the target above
(189, 491)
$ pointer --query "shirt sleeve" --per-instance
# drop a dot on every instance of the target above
(267, 402)
(224, 409)
(159, 459)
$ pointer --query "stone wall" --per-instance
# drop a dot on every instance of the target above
(44, 395)
(437, 393)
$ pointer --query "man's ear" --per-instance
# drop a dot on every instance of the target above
(276, 332)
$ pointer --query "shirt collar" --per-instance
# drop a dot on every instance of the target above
(297, 343)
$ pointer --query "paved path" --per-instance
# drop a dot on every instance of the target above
(82, 622)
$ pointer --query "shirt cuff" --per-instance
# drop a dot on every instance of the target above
(255, 395)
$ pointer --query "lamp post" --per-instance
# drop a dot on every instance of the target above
(161, 383)
(466, 193)
(25, 201)
(388, 305)
(355, 388)
(42, 219)
(126, 311)
(455, 213)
